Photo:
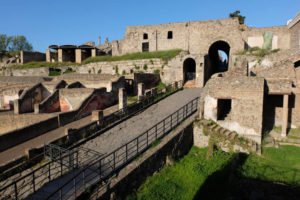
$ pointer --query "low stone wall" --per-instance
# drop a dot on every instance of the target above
(16, 137)
(43, 71)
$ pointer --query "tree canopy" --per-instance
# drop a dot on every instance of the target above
(237, 14)
(14, 43)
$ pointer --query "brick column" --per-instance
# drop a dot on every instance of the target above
(48, 55)
(78, 56)
(93, 52)
(141, 91)
(122, 98)
(285, 112)
(60, 55)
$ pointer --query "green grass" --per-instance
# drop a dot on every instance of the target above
(196, 173)
(282, 165)
(42, 64)
(258, 52)
(182, 180)
(164, 55)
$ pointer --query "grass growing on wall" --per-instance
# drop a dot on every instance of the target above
(164, 55)
(197, 174)
(42, 64)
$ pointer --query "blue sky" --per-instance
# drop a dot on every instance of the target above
(46, 22)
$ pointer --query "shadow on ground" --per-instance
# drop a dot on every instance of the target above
(228, 184)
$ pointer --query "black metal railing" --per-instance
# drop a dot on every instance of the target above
(63, 162)
(103, 168)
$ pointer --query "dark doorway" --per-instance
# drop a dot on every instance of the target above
(297, 64)
(145, 46)
(217, 59)
(189, 70)
(224, 107)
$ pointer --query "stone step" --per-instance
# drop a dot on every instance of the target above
(213, 126)
(218, 129)
(223, 130)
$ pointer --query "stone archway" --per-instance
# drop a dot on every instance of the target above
(213, 60)
(189, 71)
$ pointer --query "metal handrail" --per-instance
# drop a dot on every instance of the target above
(112, 154)
(124, 113)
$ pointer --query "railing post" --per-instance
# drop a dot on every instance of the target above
(16, 190)
(177, 116)
(114, 160)
(147, 139)
(126, 148)
(137, 145)
(83, 177)
(74, 184)
(156, 132)
(33, 181)
(49, 172)
(164, 127)
(61, 164)
(60, 194)
(171, 121)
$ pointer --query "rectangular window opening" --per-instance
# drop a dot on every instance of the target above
(170, 34)
(224, 108)
(145, 47)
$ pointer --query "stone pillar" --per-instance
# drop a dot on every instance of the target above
(93, 52)
(60, 55)
(48, 55)
(21, 57)
(122, 98)
(285, 112)
(16, 106)
(78, 57)
(97, 115)
(141, 91)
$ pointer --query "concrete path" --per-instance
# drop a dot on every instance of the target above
(18, 151)
(123, 133)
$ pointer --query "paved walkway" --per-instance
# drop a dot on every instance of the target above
(131, 128)
(18, 151)
(126, 131)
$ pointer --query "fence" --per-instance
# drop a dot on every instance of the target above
(63, 162)
(22, 187)
(103, 168)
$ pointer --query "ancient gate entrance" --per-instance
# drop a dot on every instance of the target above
(217, 59)
(189, 72)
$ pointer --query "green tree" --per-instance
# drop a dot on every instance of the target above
(20, 43)
(4, 42)
(237, 14)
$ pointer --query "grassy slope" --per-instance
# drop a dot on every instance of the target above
(182, 180)
(192, 173)
(164, 55)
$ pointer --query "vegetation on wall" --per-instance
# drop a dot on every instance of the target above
(258, 52)
(237, 14)
(42, 64)
(164, 55)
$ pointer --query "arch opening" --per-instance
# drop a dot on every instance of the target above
(217, 59)
(189, 71)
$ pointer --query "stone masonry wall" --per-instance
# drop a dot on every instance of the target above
(195, 37)
(246, 94)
